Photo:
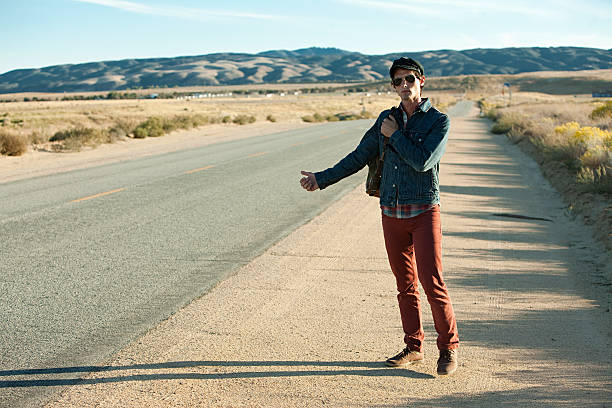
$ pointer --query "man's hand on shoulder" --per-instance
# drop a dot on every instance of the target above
(309, 182)
(388, 126)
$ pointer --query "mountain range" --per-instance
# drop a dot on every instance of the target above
(308, 65)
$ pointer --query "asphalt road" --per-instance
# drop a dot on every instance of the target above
(92, 259)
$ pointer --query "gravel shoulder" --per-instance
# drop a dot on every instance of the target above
(309, 322)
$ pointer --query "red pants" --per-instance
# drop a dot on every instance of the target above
(418, 241)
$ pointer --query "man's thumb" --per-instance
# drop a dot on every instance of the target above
(304, 173)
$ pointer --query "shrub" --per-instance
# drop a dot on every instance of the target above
(152, 127)
(12, 145)
(591, 149)
(270, 118)
(226, 119)
(318, 117)
(597, 180)
(168, 125)
(516, 135)
(602, 111)
(38, 137)
(504, 123)
(140, 133)
(62, 135)
(488, 110)
(178, 122)
(199, 120)
(126, 126)
(244, 119)
(120, 130)
(76, 138)
(586, 137)
(501, 127)
(115, 133)
(347, 116)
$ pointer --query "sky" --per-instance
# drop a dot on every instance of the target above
(40, 33)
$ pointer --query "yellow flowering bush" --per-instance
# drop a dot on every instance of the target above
(568, 128)
(594, 148)
(588, 137)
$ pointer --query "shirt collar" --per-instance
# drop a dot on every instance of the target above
(423, 106)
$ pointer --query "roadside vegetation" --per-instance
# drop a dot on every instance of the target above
(317, 117)
(12, 144)
(576, 135)
(571, 138)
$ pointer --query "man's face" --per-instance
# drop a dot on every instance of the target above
(408, 90)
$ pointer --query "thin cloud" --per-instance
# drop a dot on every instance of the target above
(179, 12)
(432, 7)
(391, 6)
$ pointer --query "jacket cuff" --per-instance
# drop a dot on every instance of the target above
(321, 179)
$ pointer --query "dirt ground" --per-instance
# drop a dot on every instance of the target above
(309, 322)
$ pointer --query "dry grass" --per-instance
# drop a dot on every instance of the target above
(43, 124)
(572, 144)
(12, 144)
(564, 130)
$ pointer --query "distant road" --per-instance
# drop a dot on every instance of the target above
(93, 258)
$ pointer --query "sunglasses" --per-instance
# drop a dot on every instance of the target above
(409, 79)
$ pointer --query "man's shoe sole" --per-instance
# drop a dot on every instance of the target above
(390, 364)
(449, 372)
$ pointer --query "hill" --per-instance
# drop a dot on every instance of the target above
(307, 65)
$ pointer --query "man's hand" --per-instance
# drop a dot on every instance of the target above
(389, 126)
(309, 182)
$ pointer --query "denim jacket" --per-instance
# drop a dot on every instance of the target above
(412, 159)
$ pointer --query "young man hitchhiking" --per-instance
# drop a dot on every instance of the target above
(413, 138)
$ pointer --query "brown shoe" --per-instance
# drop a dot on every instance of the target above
(447, 363)
(404, 358)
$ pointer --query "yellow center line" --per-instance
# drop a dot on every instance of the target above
(97, 195)
(257, 154)
(324, 137)
(297, 144)
(200, 169)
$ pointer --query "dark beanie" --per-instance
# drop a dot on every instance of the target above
(406, 63)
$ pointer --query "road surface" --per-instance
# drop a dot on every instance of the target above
(93, 258)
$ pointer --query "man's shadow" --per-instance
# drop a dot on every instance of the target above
(39, 377)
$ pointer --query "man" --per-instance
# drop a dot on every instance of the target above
(416, 134)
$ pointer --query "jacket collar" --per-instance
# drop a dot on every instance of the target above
(423, 106)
